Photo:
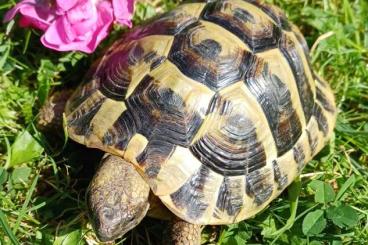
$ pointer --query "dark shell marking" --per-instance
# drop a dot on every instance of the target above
(156, 62)
(299, 156)
(259, 34)
(116, 73)
(321, 119)
(230, 198)
(279, 177)
(170, 23)
(276, 14)
(290, 52)
(312, 141)
(302, 42)
(258, 185)
(117, 69)
(190, 196)
(274, 97)
(121, 132)
(201, 59)
(81, 119)
(326, 104)
(156, 153)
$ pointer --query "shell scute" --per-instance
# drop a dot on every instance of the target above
(214, 60)
(301, 69)
(275, 13)
(259, 185)
(228, 142)
(230, 198)
(170, 23)
(275, 99)
(246, 21)
(190, 196)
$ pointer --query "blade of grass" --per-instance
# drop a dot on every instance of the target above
(28, 37)
(5, 225)
(25, 204)
(350, 182)
(294, 192)
(8, 152)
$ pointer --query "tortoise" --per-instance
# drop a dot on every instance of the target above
(212, 107)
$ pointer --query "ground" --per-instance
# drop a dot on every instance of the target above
(42, 184)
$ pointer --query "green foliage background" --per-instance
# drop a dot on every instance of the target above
(42, 184)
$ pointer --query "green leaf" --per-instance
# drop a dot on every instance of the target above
(350, 182)
(235, 234)
(45, 76)
(245, 235)
(24, 149)
(315, 243)
(20, 175)
(240, 240)
(4, 57)
(70, 238)
(268, 226)
(296, 239)
(314, 223)
(336, 242)
(323, 191)
(3, 176)
(343, 216)
(314, 184)
(47, 239)
(230, 240)
(143, 12)
(324, 194)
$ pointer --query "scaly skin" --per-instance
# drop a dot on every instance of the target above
(51, 114)
(117, 198)
(184, 233)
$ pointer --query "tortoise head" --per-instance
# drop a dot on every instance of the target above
(117, 198)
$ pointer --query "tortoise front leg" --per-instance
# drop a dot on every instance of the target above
(50, 118)
(184, 233)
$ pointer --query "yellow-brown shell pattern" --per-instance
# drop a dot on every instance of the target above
(215, 103)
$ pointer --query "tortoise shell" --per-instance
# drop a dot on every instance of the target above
(215, 103)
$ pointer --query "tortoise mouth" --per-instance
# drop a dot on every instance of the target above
(108, 224)
(106, 234)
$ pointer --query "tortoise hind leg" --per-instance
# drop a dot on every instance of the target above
(183, 233)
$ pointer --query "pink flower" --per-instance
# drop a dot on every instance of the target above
(72, 24)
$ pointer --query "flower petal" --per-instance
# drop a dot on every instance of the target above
(84, 10)
(123, 11)
(25, 21)
(56, 37)
(13, 11)
(65, 5)
(37, 14)
(83, 17)
(104, 23)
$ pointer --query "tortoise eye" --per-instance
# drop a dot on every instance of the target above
(107, 213)
(131, 218)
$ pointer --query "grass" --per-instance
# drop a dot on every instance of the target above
(42, 184)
